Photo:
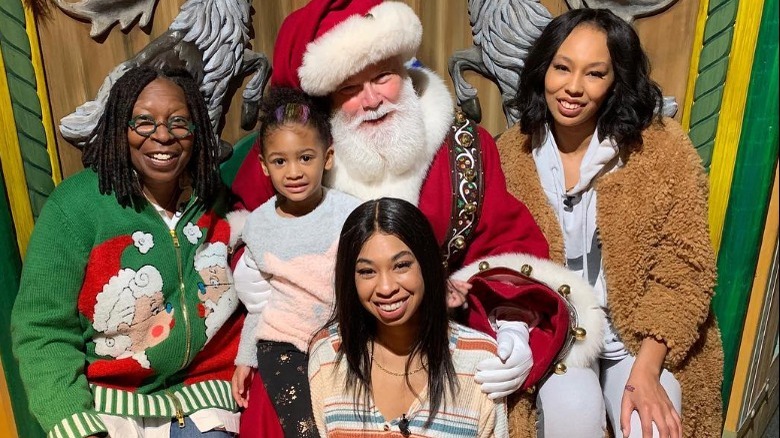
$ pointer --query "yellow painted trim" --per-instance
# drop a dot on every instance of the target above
(732, 110)
(693, 73)
(755, 308)
(13, 170)
(43, 94)
(7, 422)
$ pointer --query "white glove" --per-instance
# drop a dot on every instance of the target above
(503, 375)
(252, 288)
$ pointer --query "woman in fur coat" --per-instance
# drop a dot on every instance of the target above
(622, 199)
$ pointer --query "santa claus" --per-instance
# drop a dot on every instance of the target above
(131, 315)
(218, 299)
(127, 309)
(217, 295)
(396, 134)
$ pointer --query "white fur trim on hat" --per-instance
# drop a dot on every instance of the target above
(211, 254)
(237, 220)
(590, 316)
(391, 29)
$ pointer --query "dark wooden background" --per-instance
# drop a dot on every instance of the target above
(76, 65)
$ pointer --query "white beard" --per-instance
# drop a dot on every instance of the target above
(371, 153)
(220, 312)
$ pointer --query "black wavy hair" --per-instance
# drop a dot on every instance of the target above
(109, 153)
(634, 99)
(358, 327)
(284, 106)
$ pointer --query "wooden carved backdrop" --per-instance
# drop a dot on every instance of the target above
(76, 64)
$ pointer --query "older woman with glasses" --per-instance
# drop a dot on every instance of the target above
(125, 323)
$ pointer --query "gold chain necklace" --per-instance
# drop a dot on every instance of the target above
(393, 373)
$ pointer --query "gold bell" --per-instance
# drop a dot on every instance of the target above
(560, 368)
(483, 266)
(564, 290)
(465, 139)
(460, 117)
(531, 389)
(526, 270)
(579, 333)
(470, 174)
(460, 242)
(471, 208)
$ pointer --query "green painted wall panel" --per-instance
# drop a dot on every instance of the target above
(22, 85)
(10, 269)
(750, 193)
(31, 136)
(712, 69)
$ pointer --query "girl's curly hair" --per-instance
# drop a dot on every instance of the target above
(283, 106)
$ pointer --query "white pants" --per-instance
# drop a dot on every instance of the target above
(573, 404)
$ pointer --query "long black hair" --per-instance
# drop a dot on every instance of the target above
(109, 153)
(283, 106)
(634, 98)
(358, 328)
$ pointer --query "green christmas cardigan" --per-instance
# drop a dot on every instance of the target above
(118, 314)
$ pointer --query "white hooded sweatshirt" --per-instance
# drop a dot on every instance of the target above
(576, 212)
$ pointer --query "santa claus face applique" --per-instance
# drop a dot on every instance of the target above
(218, 299)
(152, 322)
(216, 283)
(131, 315)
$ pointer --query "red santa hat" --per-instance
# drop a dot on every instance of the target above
(218, 228)
(327, 41)
(104, 263)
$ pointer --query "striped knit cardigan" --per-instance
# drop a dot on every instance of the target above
(469, 413)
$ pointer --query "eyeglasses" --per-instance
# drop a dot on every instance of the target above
(179, 127)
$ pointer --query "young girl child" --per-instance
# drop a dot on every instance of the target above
(390, 360)
(621, 196)
(291, 242)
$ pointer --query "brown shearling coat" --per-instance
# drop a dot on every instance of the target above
(658, 261)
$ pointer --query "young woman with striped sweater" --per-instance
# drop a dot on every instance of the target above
(391, 362)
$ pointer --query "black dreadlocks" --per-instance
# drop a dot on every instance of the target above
(108, 154)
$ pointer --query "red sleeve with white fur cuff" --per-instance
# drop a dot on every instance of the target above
(563, 304)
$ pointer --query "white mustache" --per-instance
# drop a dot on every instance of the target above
(370, 116)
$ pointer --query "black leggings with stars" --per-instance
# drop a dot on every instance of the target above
(284, 370)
